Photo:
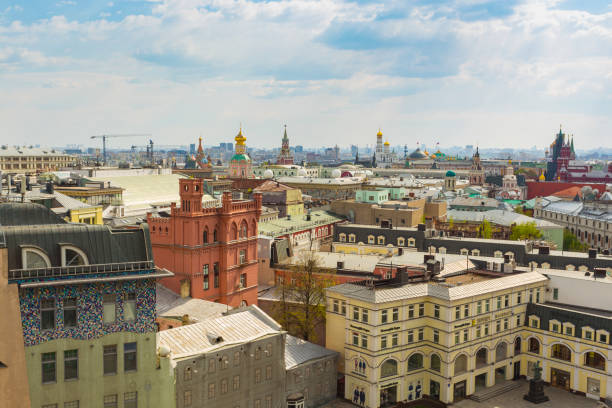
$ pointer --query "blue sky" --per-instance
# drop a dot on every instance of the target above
(494, 73)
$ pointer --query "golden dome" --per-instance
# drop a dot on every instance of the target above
(426, 153)
(386, 143)
(379, 134)
(240, 139)
(542, 178)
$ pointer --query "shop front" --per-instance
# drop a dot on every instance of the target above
(560, 378)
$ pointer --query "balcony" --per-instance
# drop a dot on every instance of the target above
(79, 270)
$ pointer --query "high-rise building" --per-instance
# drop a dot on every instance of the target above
(212, 250)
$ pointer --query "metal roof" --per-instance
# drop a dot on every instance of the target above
(286, 225)
(169, 304)
(298, 351)
(240, 326)
(500, 217)
(407, 291)
(15, 214)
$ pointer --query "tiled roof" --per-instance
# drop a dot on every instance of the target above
(298, 351)
(390, 294)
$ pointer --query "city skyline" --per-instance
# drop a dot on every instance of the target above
(331, 70)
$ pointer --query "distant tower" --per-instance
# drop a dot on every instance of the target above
(201, 161)
(379, 143)
(476, 172)
(285, 156)
(240, 164)
(450, 181)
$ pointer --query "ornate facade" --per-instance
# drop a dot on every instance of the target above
(285, 156)
(240, 164)
(477, 176)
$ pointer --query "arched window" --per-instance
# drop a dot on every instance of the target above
(215, 236)
(533, 264)
(415, 362)
(244, 232)
(342, 237)
(475, 252)
(545, 265)
(233, 231)
(381, 240)
(463, 251)
(401, 241)
(435, 362)
(371, 239)
(498, 254)
(351, 237)
(534, 345)
(501, 351)
(388, 368)
(570, 267)
(561, 352)
(205, 236)
(460, 364)
(442, 250)
(594, 360)
(73, 256)
(33, 258)
(411, 242)
(510, 255)
(517, 346)
(481, 358)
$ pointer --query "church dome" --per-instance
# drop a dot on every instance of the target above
(417, 154)
(387, 143)
(450, 173)
(268, 174)
(379, 134)
(336, 173)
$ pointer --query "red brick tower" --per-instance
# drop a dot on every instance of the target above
(211, 250)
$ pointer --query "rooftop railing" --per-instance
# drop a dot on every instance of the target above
(78, 270)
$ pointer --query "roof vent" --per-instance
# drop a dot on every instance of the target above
(214, 338)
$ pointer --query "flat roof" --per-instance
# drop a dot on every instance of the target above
(285, 225)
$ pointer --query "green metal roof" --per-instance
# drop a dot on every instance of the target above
(27, 213)
(240, 157)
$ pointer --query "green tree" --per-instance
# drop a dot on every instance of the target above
(485, 230)
(524, 231)
(301, 292)
(571, 242)
(451, 223)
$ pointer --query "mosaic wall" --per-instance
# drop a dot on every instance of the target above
(89, 306)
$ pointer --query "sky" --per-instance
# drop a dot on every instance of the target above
(492, 73)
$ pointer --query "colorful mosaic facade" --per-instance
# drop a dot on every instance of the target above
(90, 308)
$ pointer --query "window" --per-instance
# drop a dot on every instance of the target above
(461, 364)
(466, 310)
(555, 293)
(187, 398)
(336, 306)
(355, 339)
(242, 258)
(388, 368)
(435, 362)
(415, 362)
(205, 236)
(394, 340)
(370, 239)
(343, 308)
(487, 306)
(499, 302)
(507, 301)
(130, 400)
(129, 307)
(497, 326)
(47, 314)
(342, 237)
(401, 241)
(187, 374)
(486, 329)
(71, 364)
(268, 401)
(602, 337)
(595, 360)
(421, 309)
(518, 298)
(205, 276)
(534, 322)
(534, 345)
(501, 351)
(568, 329)
(436, 336)
(410, 311)
(538, 295)
(478, 332)
(269, 372)
(243, 280)
(49, 406)
(129, 356)
(464, 251)
(437, 311)
(351, 238)
(110, 401)
(587, 333)
(364, 315)
(71, 404)
(561, 352)
(32, 258)
(364, 341)
(109, 315)
(381, 240)
(257, 403)
(70, 312)
(481, 358)
(383, 316)
(72, 256)
(395, 314)
(216, 274)
(555, 327)
(465, 335)
(224, 386)
(506, 324)
(518, 320)
(236, 358)
(211, 391)
(421, 334)
(410, 336)
(258, 376)
(48, 368)
(457, 337)
(383, 342)
(110, 359)
(355, 313)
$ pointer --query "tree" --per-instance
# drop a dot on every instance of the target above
(484, 230)
(571, 242)
(524, 231)
(301, 306)
(451, 223)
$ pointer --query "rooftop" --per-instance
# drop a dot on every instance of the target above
(415, 290)
(23, 151)
(318, 180)
(500, 217)
(288, 225)
(169, 304)
(241, 326)
(298, 351)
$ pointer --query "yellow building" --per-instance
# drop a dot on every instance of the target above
(443, 339)
(86, 215)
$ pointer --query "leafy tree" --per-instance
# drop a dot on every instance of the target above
(485, 230)
(451, 223)
(301, 306)
(571, 242)
(524, 231)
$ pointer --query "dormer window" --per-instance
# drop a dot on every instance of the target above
(73, 256)
(34, 258)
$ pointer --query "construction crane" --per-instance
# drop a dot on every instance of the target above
(104, 137)
(149, 149)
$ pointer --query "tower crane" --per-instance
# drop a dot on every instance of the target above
(104, 137)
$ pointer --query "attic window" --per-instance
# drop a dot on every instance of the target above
(73, 256)
(34, 258)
